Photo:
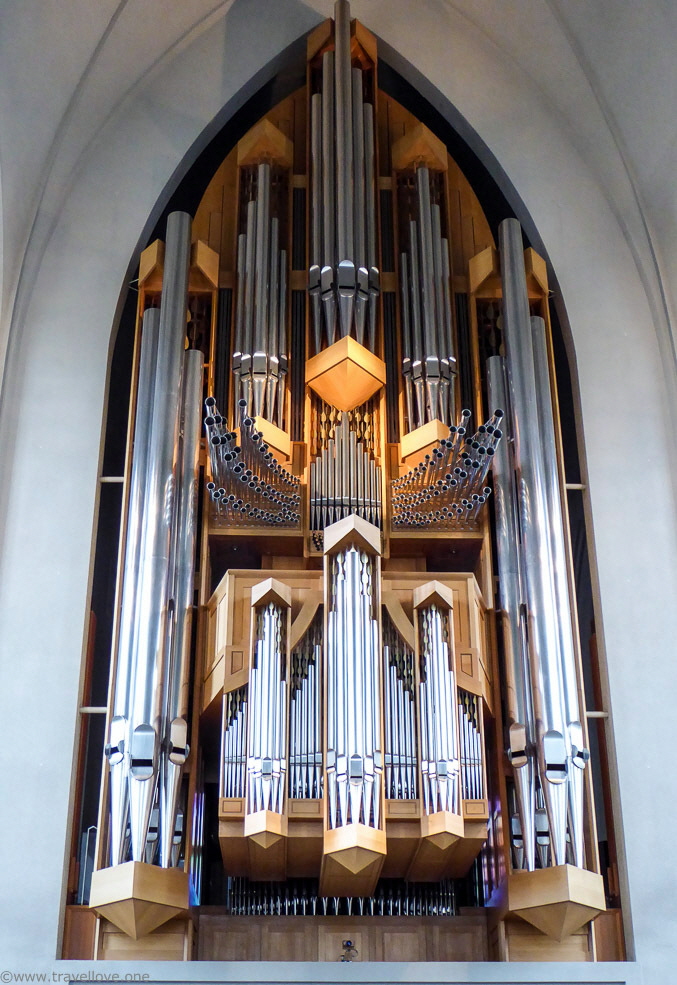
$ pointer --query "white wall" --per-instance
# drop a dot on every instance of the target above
(97, 194)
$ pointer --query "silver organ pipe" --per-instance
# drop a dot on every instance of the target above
(401, 759)
(152, 584)
(175, 739)
(305, 736)
(446, 488)
(512, 597)
(470, 737)
(428, 361)
(234, 743)
(553, 669)
(440, 767)
(119, 727)
(260, 344)
(354, 754)
(578, 753)
(344, 479)
(248, 484)
(345, 277)
(267, 724)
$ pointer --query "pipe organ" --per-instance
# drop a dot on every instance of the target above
(320, 643)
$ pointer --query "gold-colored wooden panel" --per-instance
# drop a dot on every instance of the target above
(526, 943)
(171, 942)
(288, 943)
(228, 939)
(79, 933)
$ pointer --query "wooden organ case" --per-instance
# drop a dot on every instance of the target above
(391, 758)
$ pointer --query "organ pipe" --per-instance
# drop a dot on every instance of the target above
(558, 733)
(354, 747)
(343, 277)
(260, 355)
(175, 738)
(512, 598)
(428, 360)
(140, 719)
(305, 737)
(267, 725)
(440, 766)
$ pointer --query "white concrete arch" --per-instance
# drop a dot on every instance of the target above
(513, 77)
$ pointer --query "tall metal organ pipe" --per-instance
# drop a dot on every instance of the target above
(267, 718)
(428, 361)
(343, 272)
(175, 739)
(578, 753)
(150, 649)
(440, 767)
(552, 736)
(512, 598)
(137, 728)
(118, 743)
(260, 349)
(353, 662)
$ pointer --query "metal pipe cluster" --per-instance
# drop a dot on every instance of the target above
(428, 360)
(153, 838)
(344, 479)
(353, 655)
(401, 759)
(470, 735)
(439, 736)
(299, 897)
(305, 737)
(234, 747)
(260, 356)
(343, 280)
(546, 734)
(446, 489)
(248, 484)
(267, 720)
(148, 738)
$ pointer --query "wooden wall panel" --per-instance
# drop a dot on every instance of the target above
(79, 933)
(526, 943)
(171, 942)
(227, 938)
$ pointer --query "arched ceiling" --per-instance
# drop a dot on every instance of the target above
(606, 70)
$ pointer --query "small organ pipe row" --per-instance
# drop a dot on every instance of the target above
(546, 732)
(439, 738)
(401, 758)
(354, 750)
(267, 726)
(234, 748)
(344, 479)
(343, 280)
(428, 360)
(260, 356)
(147, 743)
(305, 736)
(300, 898)
(470, 737)
(446, 489)
(248, 484)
